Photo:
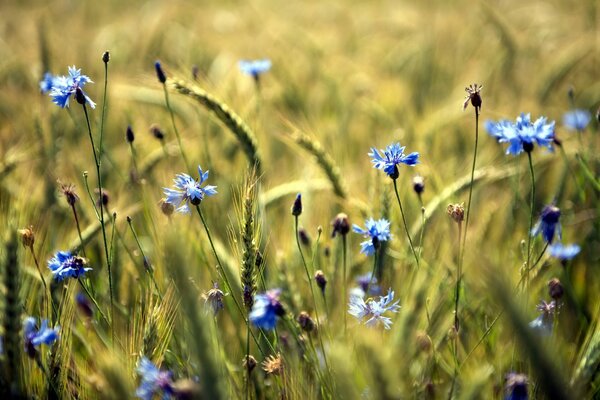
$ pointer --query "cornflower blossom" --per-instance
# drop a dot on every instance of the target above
(543, 323)
(153, 381)
(389, 159)
(47, 82)
(375, 232)
(66, 265)
(255, 68)
(548, 225)
(577, 120)
(266, 309)
(372, 310)
(34, 337)
(522, 134)
(564, 252)
(65, 86)
(187, 190)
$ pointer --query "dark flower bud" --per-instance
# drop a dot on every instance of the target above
(341, 225)
(249, 363)
(166, 208)
(394, 175)
(555, 289)
(297, 207)
(84, 305)
(195, 201)
(27, 237)
(571, 93)
(79, 96)
(279, 309)
(527, 147)
(129, 134)
(157, 132)
(321, 280)
(305, 322)
(103, 197)
(106, 57)
(303, 236)
(162, 78)
(515, 386)
(69, 192)
(147, 264)
(556, 141)
(418, 184)
(195, 71)
(326, 251)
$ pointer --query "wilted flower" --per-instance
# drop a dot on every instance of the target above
(340, 224)
(372, 310)
(522, 134)
(515, 387)
(69, 192)
(66, 265)
(564, 252)
(153, 381)
(456, 212)
(577, 120)
(543, 323)
(27, 237)
(375, 232)
(187, 190)
(214, 298)
(34, 337)
(392, 156)
(474, 96)
(273, 365)
(255, 68)
(266, 309)
(63, 87)
(548, 224)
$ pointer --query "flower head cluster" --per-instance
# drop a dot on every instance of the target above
(372, 310)
(543, 323)
(266, 309)
(577, 120)
(66, 265)
(564, 252)
(548, 225)
(375, 232)
(187, 190)
(522, 134)
(153, 381)
(389, 159)
(255, 68)
(34, 337)
(61, 88)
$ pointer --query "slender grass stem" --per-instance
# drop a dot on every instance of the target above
(530, 219)
(405, 225)
(458, 282)
(183, 156)
(423, 220)
(78, 230)
(101, 148)
(87, 291)
(102, 224)
(147, 265)
(247, 360)
(375, 259)
(344, 267)
(47, 296)
(464, 238)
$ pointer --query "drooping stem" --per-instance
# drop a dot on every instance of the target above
(405, 225)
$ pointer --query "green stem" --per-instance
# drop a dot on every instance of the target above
(185, 160)
(530, 218)
(345, 299)
(78, 229)
(405, 225)
(101, 148)
(375, 258)
(464, 240)
(86, 290)
(147, 265)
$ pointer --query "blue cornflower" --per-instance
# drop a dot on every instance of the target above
(255, 67)
(368, 281)
(33, 338)
(153, 381)
(515, 387)
(376, 232)
(543, 324)
(187, 190)
(577, 120)
(372, 310)
(548, 224)
(392, 156)
(266, 309)
(47, 83)
(66, 265)
(65, 86)
(563, 252)
(522, 134)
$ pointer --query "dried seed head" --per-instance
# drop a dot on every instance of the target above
(555, 288)
(69, 192)
(341, 225)
(297, 206)
(273, 365)
(157, 132)
(249, 363)
(27, 237)
(474, 96)
(305, 322)
(418, 184)
(456, 212)
(321, 280)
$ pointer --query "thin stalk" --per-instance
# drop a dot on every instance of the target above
(185, 160)
(345, 299)
(147, 265)
(48, 297)
(102, 225)
(405, 226)
(312, 291)
(101, 148)
(422, 227)
(530, 218)
(87, 291)
(464, 239)
(375, 259)
(247, 360)
(78, 229)
(458, 282)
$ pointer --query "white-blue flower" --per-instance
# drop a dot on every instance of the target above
(63, 87)
(378, 231)
(255, 67)
(372, 311)
(522, 134)
(187, 190)
(577, 120)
